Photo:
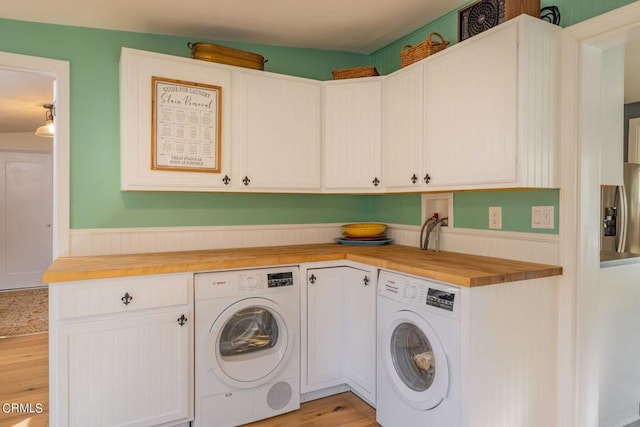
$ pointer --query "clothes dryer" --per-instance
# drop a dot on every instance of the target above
(419, 360)
(247, 345)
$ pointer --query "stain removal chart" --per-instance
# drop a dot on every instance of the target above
(185, 125)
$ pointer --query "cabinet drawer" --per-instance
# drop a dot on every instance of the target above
(120, 295)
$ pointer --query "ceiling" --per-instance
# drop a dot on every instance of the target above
(354, 26)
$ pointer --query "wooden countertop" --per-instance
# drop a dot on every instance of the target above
(450, 267)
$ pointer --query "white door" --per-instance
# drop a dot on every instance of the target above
(325, 323)
(360, 345)
(353, 135)
(471, 112)
(131, 371)
(26, 218)
(276, 138)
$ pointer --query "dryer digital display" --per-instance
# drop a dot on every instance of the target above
(440, 299)
(278, 280)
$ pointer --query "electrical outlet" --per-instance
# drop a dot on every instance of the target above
(495, 217)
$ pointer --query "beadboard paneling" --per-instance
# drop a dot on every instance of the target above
(518, 246)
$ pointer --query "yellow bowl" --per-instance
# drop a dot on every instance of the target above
(364, 229)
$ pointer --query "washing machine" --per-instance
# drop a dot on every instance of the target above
(419, 352)
(247, 345)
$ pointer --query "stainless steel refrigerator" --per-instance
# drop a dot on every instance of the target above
(620, 214)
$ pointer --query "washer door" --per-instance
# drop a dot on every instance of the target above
(249, 343)
(415, 360)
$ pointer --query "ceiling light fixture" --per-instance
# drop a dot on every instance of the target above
(48, 129)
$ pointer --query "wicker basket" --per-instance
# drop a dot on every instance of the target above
(226, 55)
(411, 54)
(350, 73)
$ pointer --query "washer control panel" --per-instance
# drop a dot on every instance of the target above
(278, 280)
(419, 293)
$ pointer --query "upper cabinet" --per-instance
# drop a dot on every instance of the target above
(482, 114)
(276, 132)
(403, 128)
(491, 109)
(179, 128)
(353, 135)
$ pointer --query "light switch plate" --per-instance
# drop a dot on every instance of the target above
(542, 217)
(495, 217)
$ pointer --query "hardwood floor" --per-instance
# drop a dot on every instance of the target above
(344, 410)
(24, 379)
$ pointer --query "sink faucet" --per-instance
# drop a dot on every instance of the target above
(431, 224)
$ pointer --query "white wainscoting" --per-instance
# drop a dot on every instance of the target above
(113, 241)
(530, 247)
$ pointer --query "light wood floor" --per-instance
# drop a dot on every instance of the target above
(24, 378)
(344, 410)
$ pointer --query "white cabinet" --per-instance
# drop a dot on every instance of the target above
(339, 336)
(360, 345)
(325, 326)
(136, 173)
(353, 135)
(121, 351)
(276, 132)
(403, 128)
(491, 109)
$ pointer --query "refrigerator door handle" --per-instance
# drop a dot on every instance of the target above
(622, 217)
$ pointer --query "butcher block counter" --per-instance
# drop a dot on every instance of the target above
(455, 268)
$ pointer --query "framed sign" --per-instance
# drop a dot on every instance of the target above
(185, 125)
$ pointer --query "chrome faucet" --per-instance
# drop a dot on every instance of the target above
(433, 223)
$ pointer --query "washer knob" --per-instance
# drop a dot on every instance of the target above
(252, 282)
(412, 292)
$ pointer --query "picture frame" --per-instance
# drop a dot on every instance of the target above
(186, 119)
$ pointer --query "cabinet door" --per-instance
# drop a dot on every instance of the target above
(353, 135)
(325, 328)
(403, 131)
(136, 70)
(128, 371)
(276, 132)
(360, 330)
(471, 111)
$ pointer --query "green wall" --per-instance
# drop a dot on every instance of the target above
(96, 199)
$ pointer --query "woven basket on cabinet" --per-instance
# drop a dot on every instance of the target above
(350, 73)
(411, 54)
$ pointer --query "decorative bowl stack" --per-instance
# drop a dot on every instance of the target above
(364, 234)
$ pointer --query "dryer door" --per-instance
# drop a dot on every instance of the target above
(249, 342)
(415, 360)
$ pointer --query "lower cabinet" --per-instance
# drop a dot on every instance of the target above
(338, 316)
(125, 355)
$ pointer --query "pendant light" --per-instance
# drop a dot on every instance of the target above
(48, 129)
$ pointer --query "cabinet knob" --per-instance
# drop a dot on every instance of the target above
(226, 180)
(182, 320)
(376, 182)
(427, 178)
(414, 179)
(312, 279)
(126, 299)
(366, 280)
(246, 180)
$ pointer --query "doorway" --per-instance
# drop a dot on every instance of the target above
(26, 179)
